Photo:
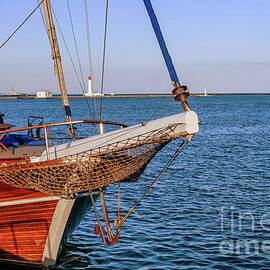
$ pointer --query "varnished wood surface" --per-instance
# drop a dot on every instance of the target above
(10, 193)
(24, 229)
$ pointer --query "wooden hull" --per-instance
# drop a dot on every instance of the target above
(34, 226)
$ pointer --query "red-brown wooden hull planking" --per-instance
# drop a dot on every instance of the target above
(33, 225)
(24, 226)
(10, 193)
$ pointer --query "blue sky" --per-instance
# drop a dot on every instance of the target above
(221, 45)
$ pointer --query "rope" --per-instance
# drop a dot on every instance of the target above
(98, 220)
(104, 55)
(168, 164)
(81, 256)
(26, 19)
(119, 199)
(159, 109)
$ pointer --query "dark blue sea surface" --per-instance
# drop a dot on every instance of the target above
(210, 210)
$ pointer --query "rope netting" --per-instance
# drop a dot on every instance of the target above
(88, 170)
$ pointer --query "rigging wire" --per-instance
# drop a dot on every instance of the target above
(43, 19)
(167, 165)
(81, 82)
(88, 38)
(75, 44)
(91, 72)
(25, 20)
(68, 51)
(159, 109)
(104, 56)
(80, 65)
(71, 59)
(65, 100)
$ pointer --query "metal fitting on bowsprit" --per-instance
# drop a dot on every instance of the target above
(180, 91)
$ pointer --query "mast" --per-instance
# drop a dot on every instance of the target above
(57, 62)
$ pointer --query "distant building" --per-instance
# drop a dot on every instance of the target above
(14, 93)
(44, 94)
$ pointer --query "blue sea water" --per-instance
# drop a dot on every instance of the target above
(210, 210)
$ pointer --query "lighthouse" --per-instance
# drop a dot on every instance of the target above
(90, 90)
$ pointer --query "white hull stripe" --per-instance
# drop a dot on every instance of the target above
(26, 201)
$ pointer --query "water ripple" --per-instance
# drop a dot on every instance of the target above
(210, 210)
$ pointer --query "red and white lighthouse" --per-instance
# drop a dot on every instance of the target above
(90, 90)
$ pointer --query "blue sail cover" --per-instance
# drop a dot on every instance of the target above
(161, 41)
(16, 140)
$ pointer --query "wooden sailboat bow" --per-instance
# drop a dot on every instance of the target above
(95, 162)
(57, 62)
(70, 169)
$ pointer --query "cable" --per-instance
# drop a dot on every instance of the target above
(43, 19)
(168, 164)
(70, 57)
(104, 55)
(159, 109)
(89, 54)
(26, 19)
(75, 44)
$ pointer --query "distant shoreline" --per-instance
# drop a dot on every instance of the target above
(134, 95)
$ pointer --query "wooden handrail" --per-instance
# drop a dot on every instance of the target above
(65, 123)
(45, 126)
